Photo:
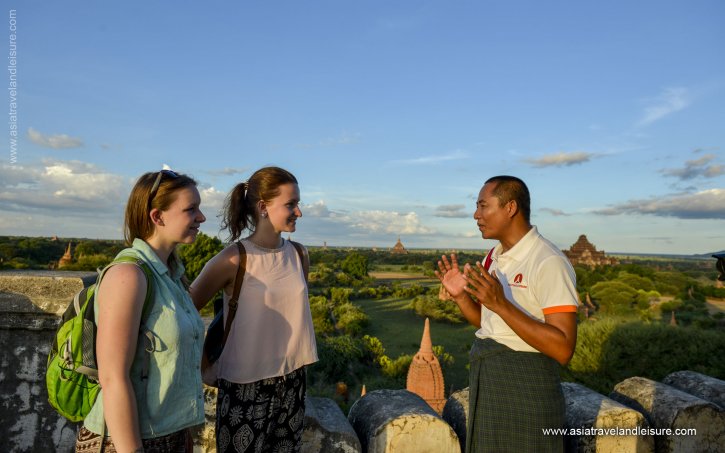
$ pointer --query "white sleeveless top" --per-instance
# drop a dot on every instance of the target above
(272, 333)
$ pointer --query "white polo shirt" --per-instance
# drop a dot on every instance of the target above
(537, 278)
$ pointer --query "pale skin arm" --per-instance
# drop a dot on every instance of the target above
(120, 303)
(454, 282)
(219, 272)
(555, 337)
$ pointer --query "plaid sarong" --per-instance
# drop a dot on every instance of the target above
(513, 396)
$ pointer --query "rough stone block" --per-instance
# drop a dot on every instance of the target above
(671, 413)
(455, 413)
(37, 292)
(327, 430)
(602, 425)
(400, 421)
(699, 385)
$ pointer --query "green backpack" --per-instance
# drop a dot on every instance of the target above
(72, 374)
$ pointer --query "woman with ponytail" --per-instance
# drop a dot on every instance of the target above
(261, 377)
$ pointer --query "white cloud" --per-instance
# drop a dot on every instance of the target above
(671, 100)
(561, 159)
(212, 200)
(701, 167)
(345, 138)
(452, 211)
(431, 160)
(554, 212)
(228, 171)
(316, 209)
(386, 221)
(61, 186)
(368, 222)
(706, 204)
(56, 141)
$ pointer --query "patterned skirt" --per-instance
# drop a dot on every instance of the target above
(513, 396)
(178, 442)
(262, 416)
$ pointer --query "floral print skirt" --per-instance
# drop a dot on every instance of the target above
(261, 416)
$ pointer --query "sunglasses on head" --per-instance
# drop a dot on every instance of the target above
(171, 174)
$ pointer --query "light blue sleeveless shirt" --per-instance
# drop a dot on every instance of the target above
(172, 398)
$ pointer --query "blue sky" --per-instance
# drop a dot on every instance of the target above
(390, 114)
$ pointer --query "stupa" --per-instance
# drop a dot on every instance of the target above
(67, 257)
(425, 377)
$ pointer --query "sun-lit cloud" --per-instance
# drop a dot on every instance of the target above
(701, 167)
(562, 159)
(671, 100)
(212, 200)
(371, 222)
(451, 210)
(432, 160)
(56, 141)
(706, 204)
(554, 212)
(386, 221)
(316, 209)
(60, 187)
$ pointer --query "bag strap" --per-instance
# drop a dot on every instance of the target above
(234, 301)
(303, 258)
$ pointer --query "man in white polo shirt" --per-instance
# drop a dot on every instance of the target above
(524, 301)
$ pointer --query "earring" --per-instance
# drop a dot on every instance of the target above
(264, 215)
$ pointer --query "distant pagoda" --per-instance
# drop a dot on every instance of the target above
(425, 377)
(583, 253)
(67, 258)
(399, 249)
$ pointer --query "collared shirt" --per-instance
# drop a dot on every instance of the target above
(171, 399)
(537, 278)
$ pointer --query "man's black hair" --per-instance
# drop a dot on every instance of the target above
(512, 188)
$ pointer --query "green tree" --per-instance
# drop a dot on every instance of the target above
(355, 265)
(614, 298)
(636, 281)
(195, 255)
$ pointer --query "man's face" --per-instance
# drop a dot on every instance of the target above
(491, 216)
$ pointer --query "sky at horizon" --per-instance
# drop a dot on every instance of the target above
(390, 114)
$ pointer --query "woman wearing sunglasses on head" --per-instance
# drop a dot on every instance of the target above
(150, 395)
(261, 371)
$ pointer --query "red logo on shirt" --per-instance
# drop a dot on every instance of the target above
(517, 281)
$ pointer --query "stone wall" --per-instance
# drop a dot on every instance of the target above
(384, 420)
(30, 305)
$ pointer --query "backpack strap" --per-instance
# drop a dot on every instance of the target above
(304, 258)
(234, 301)
(144, 332)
